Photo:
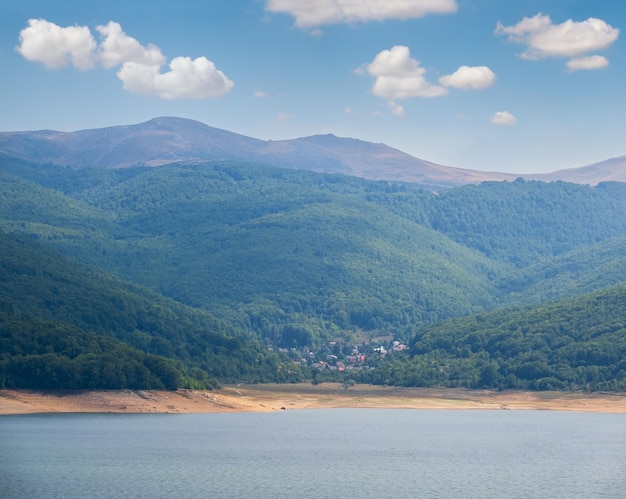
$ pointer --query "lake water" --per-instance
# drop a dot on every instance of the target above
(315, 454)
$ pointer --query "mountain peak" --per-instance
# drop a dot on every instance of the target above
(172, 122)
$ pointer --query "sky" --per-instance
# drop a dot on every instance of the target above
(521, 86)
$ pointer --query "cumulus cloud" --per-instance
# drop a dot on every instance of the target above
(503, 118)
(312, 13)
(187, 78)
(588, 63)
(467, 78)
(57, 47)
(117, 48)
(399, 76)
(140, 66)
(570, 39)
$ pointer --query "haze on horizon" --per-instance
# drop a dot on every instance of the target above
(518, 87)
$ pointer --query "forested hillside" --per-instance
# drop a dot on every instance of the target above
(57, 311)
(522, 222)
(578, 343)
(275, 247)
(578, 271)
(51, 355)
(230, 263)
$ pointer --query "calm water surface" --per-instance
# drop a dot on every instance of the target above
(315, 453)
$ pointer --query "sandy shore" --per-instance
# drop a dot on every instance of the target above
(266, 398)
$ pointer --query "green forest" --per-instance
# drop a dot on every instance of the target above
(573, 344)
(196, 274)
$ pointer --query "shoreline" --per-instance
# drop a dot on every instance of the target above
(273, 398)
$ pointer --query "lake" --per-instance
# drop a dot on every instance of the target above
(315, 454)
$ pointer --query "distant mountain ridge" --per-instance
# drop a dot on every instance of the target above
(167, 140)
(610, 170)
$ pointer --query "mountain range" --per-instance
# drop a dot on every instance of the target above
(167, 140)
(128, 261)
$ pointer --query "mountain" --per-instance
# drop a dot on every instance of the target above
(257, 240)
(246, 271)
(611, 170)
(331, 154)
(156, 142)
(167, 140)
(267, 248)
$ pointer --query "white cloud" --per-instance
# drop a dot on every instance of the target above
(503, 118)
(467, 77)
(311, 13)
(522, 30)
(398, 76)
(117, 48)
(259, 94)
(569, 39)
(187, 78)
(140, 71)
(57, 47)
(396, 109)
(588, 63)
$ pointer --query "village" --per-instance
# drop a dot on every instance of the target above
(333, 357)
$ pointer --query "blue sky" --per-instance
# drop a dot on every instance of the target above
(513, 86)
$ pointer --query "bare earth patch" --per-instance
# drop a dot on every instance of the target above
(266, 398)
